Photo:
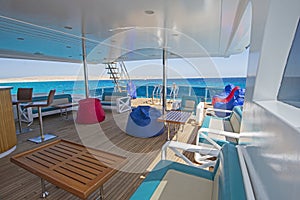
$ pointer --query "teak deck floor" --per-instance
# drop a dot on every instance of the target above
(143, 154)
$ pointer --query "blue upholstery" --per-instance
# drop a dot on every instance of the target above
(109, 98)
(231, 186)
(231, 123)
(152, 129)
(149, 185)
(141, 115)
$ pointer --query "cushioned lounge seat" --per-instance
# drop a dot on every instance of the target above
(231, 123)
(90, 111)
(142, 122)
(170, 180)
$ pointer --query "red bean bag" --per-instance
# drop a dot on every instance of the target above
(90, 111)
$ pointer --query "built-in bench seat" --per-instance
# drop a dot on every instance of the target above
(59, 99)
(212, 126)
(118, 100)
(170, 180)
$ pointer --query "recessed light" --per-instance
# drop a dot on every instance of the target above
(20, 38)
(149, 12)
(38, 53)
(68, 27)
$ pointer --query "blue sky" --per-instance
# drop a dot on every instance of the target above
(234, 66)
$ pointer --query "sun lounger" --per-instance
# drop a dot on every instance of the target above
(216, 131)
(172, 180)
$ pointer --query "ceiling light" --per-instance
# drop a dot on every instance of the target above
(38, 53)
(68, 27)
(121, 28)
(149, 12)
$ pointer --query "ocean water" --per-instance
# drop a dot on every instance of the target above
(193, 86)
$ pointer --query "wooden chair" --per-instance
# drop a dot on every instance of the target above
(39, 105)
(24, 95)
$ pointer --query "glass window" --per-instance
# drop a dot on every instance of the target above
(289, 91)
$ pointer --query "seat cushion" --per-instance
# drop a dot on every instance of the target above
(231, 185)
(235, 119)
(141, 115)
(150, 185)
(151, 129)
(90, 111)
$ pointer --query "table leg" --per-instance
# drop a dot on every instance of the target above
(100, 194)
(44, 192)
(61, 112)
(41, 124)
(19, 117)
(66, 113)
(177, 127)
(168, 125)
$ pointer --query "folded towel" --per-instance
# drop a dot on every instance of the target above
(140, 115)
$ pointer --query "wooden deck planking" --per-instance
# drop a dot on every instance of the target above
(17, 183)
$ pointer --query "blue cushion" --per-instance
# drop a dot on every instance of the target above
(154, 128)
(140, 115)
(113, 95)
(149, 185)
(231, 185)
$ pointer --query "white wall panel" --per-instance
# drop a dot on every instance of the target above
(273, 141)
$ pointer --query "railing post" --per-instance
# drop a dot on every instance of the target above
(205, 96)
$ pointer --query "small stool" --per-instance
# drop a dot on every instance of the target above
(90, 111)
(43, 137)
(24, 95)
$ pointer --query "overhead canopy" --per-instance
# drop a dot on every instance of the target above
(127, 29)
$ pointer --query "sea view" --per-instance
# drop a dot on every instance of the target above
(193, 86)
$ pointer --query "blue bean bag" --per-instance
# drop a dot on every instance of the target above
(142, 122)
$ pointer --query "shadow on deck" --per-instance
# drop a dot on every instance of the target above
(142, 154)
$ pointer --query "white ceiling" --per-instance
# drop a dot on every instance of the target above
(53, 29)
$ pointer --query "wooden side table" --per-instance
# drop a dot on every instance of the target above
(175, 118)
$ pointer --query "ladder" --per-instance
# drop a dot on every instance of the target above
(119, 75)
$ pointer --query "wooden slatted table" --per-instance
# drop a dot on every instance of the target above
(175, 118)
(73, 167)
